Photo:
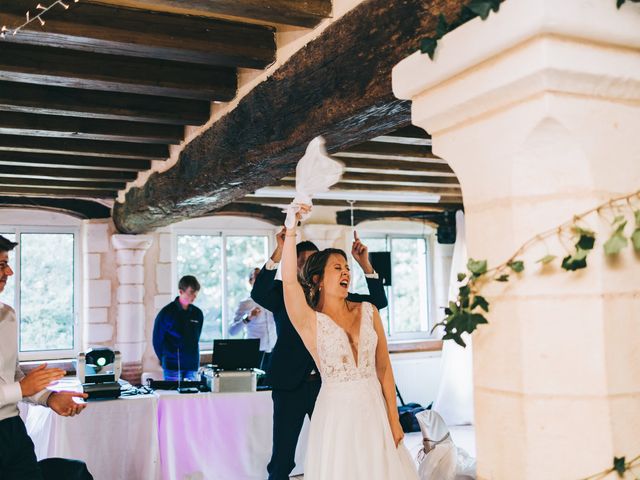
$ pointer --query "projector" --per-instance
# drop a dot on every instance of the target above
(99, 370)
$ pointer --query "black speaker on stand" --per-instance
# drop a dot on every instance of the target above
(381, 263)
(446, 232)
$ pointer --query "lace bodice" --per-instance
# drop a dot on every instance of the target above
(336, 359)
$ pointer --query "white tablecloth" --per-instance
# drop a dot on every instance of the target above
(212, 436)
(117, 439)
(218, 436)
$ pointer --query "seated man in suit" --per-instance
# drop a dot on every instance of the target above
(293, 373)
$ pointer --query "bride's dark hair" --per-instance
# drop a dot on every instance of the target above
(315, 265)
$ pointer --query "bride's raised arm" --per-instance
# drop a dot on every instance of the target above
(303, 317)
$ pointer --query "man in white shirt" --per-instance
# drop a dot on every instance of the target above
(255, 320)
(17, 457)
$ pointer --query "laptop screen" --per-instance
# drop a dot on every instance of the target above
(234, 354)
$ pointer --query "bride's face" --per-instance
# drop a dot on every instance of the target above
(336, 278)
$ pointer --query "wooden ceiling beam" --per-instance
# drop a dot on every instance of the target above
(338, 85)
(344, 217)
(66, 174)
(271, 215)
(41, 99)
(387, 151)
(60, 184)
(383, 177)
(62, 161)
(18, 143)
(133, 33)
(367, 187)
(378, 164)
(64, 68)
(12, 123)
(402, 206)
(307, 13)
(56, 192)
(83, 209)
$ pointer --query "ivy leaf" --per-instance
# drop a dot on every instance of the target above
(636, 214)
(617, 241)
(516, 265)
(442, 27)
(483, 7)
(428, 45)
(619, 465)
(586, 241)
(576, 261)
(477, 267)
(619, 3)
(503, 278)
(462, 276)
(546, 259)
(635, 239)
(453, 308)
(480, 301)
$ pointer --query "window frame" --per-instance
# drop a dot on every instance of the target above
(207, 347)
(17, 230)
(430, 288)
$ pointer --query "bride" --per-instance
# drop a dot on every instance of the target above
(355, 431)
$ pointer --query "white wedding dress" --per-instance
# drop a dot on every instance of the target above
(350, 437)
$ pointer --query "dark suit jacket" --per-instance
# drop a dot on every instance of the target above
(291, 363)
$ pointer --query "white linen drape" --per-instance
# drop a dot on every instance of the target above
(454, 401)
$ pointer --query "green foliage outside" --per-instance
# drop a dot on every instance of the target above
(201, 256)
(46, 291)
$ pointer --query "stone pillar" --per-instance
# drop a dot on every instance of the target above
(130, 336)
(537, 110)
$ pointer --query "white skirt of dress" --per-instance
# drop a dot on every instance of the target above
(350, 437)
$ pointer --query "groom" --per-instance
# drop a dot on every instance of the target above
(293, 373)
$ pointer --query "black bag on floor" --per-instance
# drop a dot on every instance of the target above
(407, 413)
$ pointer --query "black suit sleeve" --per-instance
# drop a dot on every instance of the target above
(266, 292)
(376, 295)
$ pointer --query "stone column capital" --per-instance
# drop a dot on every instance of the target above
(131, 242)
(528, 48)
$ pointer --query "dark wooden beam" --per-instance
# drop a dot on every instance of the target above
(394, 179)
(63, 68)
(388, 151)
(380, 165)
(435, 206)
(338, 85)
(307, 13)
(443, 191)
(12, 123)
(55, 192)
(126, 32)
(344, 217)
(73, 161)
(83, 209)
(66, 174)
(41, 99)
(60, 184)
(271, 215)
(18, 143)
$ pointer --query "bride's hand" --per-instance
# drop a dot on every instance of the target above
(398, 434)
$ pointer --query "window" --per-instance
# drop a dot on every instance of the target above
(408, 313)
(222, 264)
(43, 290)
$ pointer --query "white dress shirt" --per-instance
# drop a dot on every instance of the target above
(261, 326)
(10, 372)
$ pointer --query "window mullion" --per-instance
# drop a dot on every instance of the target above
(225, 289)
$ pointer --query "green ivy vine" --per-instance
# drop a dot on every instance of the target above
(473, 9)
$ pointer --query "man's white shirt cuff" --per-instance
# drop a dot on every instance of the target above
(10, 393)
(271, 265)
(373, 275)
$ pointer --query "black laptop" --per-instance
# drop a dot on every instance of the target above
(234, 354)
